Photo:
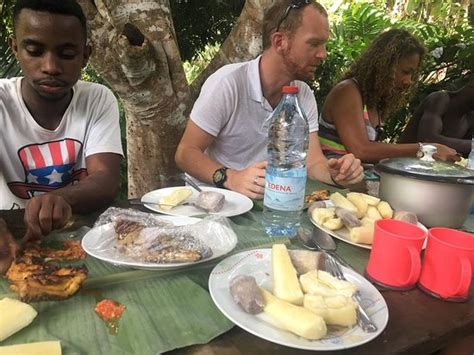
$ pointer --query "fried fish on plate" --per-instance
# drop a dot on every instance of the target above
(159, 245)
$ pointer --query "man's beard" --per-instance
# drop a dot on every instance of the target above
(295, 71)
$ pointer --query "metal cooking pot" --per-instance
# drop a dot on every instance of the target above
(440, 193)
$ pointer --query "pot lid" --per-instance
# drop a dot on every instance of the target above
(427, 170)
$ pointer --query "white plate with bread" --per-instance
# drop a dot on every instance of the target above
(257, 263)
(234, 203)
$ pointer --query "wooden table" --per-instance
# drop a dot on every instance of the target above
(418, 323)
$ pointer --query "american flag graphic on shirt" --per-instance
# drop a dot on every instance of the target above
(48, 166)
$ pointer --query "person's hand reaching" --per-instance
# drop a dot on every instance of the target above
(345, 171)
(45, 213)
(250, 181)
(8, 247)
(445, 153)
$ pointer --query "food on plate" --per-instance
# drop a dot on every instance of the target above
(176, 197)
(406, 216)
(336, 310)
(8, 247)
(373, 212)
(348, 218)
(159, 245)
(109, 310)
(35, 278)
(210, 201)
(320, 215)
(371, 200)
(317, 195)
(285, 280)
(319, 282)
(462, 162)
(39, 348)
(14, 316)
(363, 234)
(341, 201)
(306, 260)
(384, 209)
(326, 300)
(296, 319)
(333, 223)
(247, 294)
(359, 202)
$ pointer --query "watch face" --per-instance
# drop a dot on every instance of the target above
(219, 176)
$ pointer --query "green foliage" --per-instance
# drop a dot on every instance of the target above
(8, 65)
(200, 60)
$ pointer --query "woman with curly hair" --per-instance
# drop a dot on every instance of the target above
(376, 85)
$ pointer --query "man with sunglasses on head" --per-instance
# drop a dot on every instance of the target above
(225, 143)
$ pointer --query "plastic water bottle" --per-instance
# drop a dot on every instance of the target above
(470, 159)
(285, 175)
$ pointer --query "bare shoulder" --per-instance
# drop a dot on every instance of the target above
(437, 99)
(345, 92)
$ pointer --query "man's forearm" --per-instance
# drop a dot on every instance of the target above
(197, 164)
(93, 192)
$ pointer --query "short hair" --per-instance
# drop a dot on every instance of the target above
(275, 13)
(62, 7)
(373, 69)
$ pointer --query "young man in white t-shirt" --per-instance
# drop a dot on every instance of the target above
(60, 148)
(224, 143)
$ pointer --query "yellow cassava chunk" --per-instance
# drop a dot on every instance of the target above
(329, 280)
(359, 202)
(384, 209)
(373, 212)
(285, 280)
(311, 284)
(14, 316)
(371, 200)
(298, 320)
(336, 310)
(333, 224)
(320, 215)
(39, 348)
(363, 234)
(341, 201)
(175, 198)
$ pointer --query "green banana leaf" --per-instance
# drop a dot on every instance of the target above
(165, 310)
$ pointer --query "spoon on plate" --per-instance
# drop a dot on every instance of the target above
(317, 239)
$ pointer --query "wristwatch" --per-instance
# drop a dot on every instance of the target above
(220, 177)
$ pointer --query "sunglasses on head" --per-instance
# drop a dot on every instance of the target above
(295, 4)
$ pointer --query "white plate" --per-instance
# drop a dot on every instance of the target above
(257, 263)
(343, 234)
(100, 243)
(235, 203)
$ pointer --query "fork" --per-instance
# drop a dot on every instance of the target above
(363, 320)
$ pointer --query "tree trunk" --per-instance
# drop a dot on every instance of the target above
(135, 51)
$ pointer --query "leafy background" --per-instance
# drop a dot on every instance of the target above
(444, 26)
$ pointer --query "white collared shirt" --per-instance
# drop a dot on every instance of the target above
(231, 107)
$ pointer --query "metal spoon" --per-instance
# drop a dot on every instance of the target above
(317, 239)
(191, 183)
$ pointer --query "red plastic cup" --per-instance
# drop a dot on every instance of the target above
(394, 260)
(448, 264)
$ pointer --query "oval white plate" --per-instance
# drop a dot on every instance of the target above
(257, 263)
(100, 243)
(234, 205)
(344, 235)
